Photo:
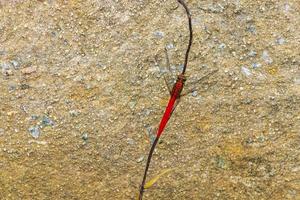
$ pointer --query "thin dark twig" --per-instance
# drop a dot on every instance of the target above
(147, 167)
(191, 34)
(175, 93)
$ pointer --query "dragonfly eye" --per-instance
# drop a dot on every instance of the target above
(181, 77)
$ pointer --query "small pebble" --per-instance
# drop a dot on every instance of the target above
(47, 121)
(297, 81)
(11, 87)
(28, 70)
(132, 104)
(252, 53)
(1, 131)
(74, 113)
(34, 117)
(15, 63)
(85, 137)
(180, 67)
(251, 28)
(246, 71)
(34, 131)
(280, 41)
(78, 78)
(24, 86)
(5, 66)
(11, 113)
(140, 159)
(261, 139)
(37, 142)
(101, 66)
(159, 34)
(222, 46)
(6, 69)
(266, 57)
(130, 141)
(170, 46)
(146, 112)
(247, 101)
(256, 65)
(287, 7)
(221, 162)
(195, 93)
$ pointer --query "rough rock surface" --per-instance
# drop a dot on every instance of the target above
(80, 87)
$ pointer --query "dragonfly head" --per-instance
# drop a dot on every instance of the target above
(181, 78)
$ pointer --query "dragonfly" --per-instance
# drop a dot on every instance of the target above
(173, 101)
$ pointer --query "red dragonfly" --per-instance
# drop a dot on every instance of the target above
(173, 101)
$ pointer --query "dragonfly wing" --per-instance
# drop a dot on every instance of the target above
(166, 69)
(206, 76)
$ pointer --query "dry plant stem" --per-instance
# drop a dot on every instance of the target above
(191, 34)
(173, 102)
(147, 167)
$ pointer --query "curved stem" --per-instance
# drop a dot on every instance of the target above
(191, 34)
(147, 167)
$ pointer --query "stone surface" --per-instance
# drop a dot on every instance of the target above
(94, 67)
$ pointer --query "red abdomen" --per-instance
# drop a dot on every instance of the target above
(169, 109)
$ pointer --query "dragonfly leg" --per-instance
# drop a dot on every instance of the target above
(167, 59)
(169, 68)
(151, 132)
(165, 79)
(169, 89)
(199, 80)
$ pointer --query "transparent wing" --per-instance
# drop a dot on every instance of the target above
(194, 83)
(168, 70)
